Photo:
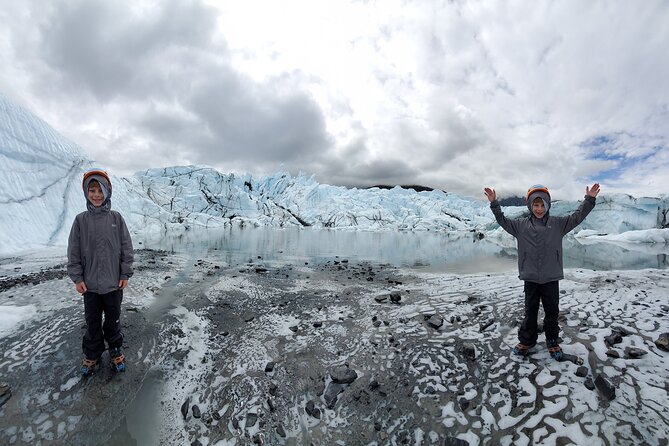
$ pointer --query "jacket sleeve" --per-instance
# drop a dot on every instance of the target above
(75, 267)
(127, 253)
(509, 226)
(575, 219)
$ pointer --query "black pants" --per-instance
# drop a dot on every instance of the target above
(548, 294)
(95, 305)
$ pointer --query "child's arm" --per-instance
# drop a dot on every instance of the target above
(575, 219)
(127, 255)
(75, 268)
(506, 224)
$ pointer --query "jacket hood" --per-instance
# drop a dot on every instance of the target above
(105, 184)
(538, 191)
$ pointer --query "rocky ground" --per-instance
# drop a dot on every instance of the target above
(337, 352)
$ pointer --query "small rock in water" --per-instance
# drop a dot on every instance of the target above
(435, 321)
(469, 350)
(612, 353)
(185, 407)
(251, 419)
(343, 375)
(613, 339)
(662, 342)
(634, 352)
(605, 387)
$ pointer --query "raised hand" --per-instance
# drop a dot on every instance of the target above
(492, 195)
(592, 191)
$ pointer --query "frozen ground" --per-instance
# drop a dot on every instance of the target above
(246, 353)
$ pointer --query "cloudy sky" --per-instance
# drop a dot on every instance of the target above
(455, 95)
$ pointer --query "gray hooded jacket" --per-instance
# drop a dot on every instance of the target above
(99, 250)
(540, 240)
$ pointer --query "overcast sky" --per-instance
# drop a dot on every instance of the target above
(456, 95)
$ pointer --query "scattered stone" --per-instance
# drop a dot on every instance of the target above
(612, 353)
(463, 403)
(132, 309)
(258, 438)
(589, 384)
(605, 387)
(343, 375)
(374, 384)
(486, 324)
(273, 389)
(251, 419)
(582, 371)
(281, 431)
(634, 352)
(395, 296)
(185, 407)
(381, 299)
(611, 340)
(450, 441)
(261, 270)
(318, 324)
(331, 394)
(293, 328)
(435, 321)
(377, 323)
(269, 367)
(312, 410)
(377, 426)
(469, 351)
(196, 443)
(621, 330)
(196, 411)
(249, 318)
(662, 342)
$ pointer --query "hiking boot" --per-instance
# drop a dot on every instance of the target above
(88, 366)
(522, 349)
(117, 359)
(554, 349)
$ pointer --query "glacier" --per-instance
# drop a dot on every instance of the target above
(41, 193)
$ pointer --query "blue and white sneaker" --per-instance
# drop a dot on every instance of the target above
(88, 366)
(554, 349)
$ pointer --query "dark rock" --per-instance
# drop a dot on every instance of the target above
(485, 325)
(469, 351)
(605, 387)
(185, 407)
(312, 410)
(395, 296)
(235, 423)
(196, 411)
(293, 328)
(377, 323)
(634, 353)
(270, 404)
(343, 375)
(662, 342)
(463, 403)
(269, 367)
(251, 419)
(435, 321)
(281, 431)
(612, 353)
(589, 384)
(331, 394)
(582, 371)
(258, 438)
(450, 441)
(261, 270)
(273, 389)
(381, 299)
(377, 426)
(196, 443)
(216, 416)
(249, 318)
(614, 338)
(621, 330)
(318, 324)
(373, 384)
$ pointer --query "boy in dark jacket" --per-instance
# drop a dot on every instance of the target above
(539, 239)
(99, 262)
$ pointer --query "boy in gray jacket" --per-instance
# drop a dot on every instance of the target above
(539, 238)
(99, 262)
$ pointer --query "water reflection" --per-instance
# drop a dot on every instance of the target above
(461, 252)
